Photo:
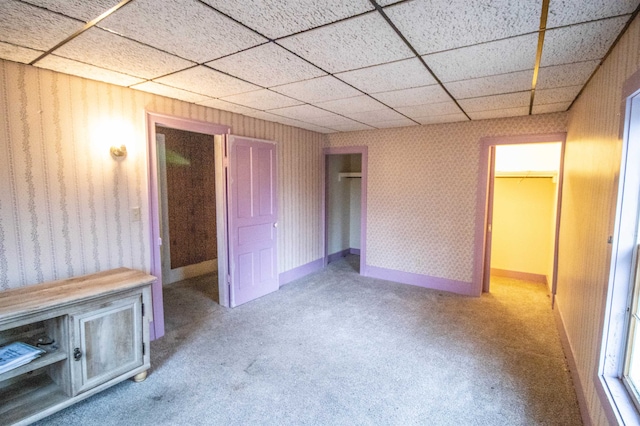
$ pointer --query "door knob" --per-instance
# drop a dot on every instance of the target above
(77, 354)
(275, 225)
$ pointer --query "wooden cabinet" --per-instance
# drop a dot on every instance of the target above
(99, 325)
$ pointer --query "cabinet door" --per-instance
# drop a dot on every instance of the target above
(107, 342)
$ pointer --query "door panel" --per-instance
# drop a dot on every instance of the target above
(252, 205)
(109, 343)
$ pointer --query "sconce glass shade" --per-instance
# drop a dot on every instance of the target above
(118, 152)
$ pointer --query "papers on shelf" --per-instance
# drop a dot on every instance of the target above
(16, 354)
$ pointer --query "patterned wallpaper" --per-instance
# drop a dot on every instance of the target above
(423, 182)
(592, 165)
(65, 204)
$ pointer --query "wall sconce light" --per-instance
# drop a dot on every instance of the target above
(118, 153)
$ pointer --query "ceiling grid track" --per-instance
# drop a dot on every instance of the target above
(415, 52)
(87, 26)
(606, 55)
(345, 82)
(536, 68)
(275, 41)
(489, 87)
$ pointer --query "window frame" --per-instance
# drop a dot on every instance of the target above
(633, 323)
(616, 399)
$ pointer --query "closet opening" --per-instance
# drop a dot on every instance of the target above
(345, 206)
(522, 212)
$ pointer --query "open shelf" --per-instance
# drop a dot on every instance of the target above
(29, 397)
(89, 313)
(46, 359)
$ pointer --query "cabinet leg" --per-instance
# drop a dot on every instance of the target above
(140, 377)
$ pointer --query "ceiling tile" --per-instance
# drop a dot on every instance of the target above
(492, 85)
(275, 18)
(301, 112)
(391, 76)
(263, 115)
(107, 50)
(447, 118)
(567, 12)
(355, 43)
(79, 9)
(228, 106)
(208, 82)
(499, 113)
(498, 57)
(291, 122)
(430, 110)
(434, 26)
(373, 117)
(404, 122)
(581, 42)
(548, 108)
(556, 95)
(68, 66)
(565, 75)
(353, 127)
(267, 65)
(185, 28)
(317, 90)
(316, 129)
(415, 96)
(332, 121)
(170, 92)
(262, 99)
(15, 53)
(29, 26)
(351, 105)
(504, 101)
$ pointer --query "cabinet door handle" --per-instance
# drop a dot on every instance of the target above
(77, 354)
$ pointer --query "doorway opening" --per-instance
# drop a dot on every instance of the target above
(186, 186)
(345, 206)
(521, 190)
(173, 154)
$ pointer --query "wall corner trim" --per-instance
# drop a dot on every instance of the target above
(426, 281)
(301, 271)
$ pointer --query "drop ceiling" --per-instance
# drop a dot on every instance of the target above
(331, 65)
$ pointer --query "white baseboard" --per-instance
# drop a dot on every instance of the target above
(191, 271)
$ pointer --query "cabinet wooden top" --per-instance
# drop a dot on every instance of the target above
(38, 297)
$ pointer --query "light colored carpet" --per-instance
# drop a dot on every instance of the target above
(335, 348)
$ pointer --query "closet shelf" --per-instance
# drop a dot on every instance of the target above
(531, 174)
(349, 175)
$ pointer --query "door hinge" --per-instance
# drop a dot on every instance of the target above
(143, 348)
(143, 309)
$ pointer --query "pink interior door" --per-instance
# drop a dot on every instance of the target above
(252, 217)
